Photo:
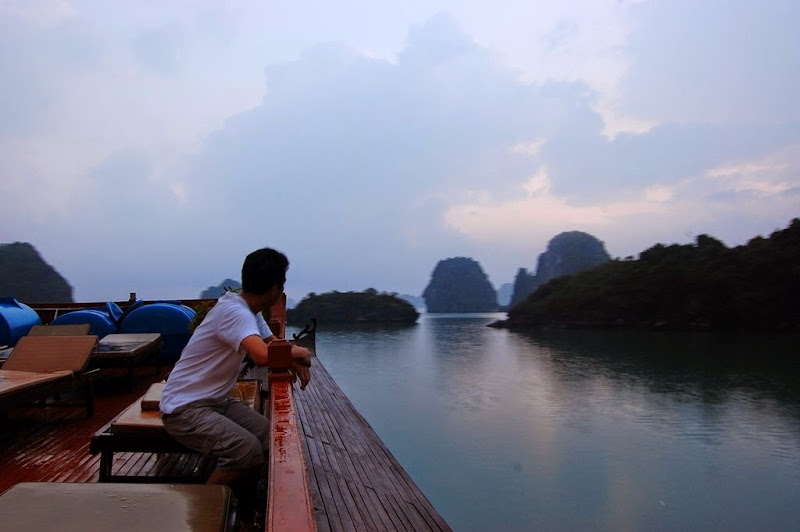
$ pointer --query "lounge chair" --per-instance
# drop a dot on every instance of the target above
(78, 507)
(40, 367)
(77, 329)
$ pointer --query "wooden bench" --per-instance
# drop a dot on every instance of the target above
(140, 430)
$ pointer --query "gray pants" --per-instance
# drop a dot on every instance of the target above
(225, 429)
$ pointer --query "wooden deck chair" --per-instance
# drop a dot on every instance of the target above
(41, 363)
(77, 329)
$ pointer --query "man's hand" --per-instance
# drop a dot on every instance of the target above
(301, 365)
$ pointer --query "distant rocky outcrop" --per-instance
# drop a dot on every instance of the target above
(25, 276)
(504, 294)
(416, 301)
(459, 284)
(213, 292)
(369, 306)
(567, 253)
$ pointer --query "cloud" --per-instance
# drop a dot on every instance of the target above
(443, 142)
(46, 13)
(714, 202)
(587, 166)
(537, 213)
(776, 174)
(189, 138)
(160, 49)
(356, 152)
(37, 50)
(719, 62)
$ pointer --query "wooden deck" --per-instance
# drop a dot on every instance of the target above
(355, 482)
(48, 444)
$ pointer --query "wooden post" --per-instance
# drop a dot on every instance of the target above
(276, 327)
(288, 497)
(277, 317)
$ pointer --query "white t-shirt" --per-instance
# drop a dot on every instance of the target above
(212, 359)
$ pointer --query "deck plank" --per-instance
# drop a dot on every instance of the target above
(328, 515)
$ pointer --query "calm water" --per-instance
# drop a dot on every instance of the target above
(582, 430)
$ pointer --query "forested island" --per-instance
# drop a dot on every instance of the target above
(27, 277)
(369, 306)
(704, 285)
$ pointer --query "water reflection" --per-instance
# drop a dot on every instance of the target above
(581, 429)
(707, 367)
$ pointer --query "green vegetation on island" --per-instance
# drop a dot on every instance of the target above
(369, 306)
(704, 285)
(26, 276)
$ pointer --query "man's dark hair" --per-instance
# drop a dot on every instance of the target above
(263, 269)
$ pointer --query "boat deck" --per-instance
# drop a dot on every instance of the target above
(52, 445)
(355, 482)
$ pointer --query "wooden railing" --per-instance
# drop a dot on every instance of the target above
(289, 504)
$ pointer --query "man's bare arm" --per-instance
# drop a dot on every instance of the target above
(257, 349)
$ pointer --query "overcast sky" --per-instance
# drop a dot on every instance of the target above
(148, 146)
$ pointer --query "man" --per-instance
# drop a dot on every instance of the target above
(196, 406)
